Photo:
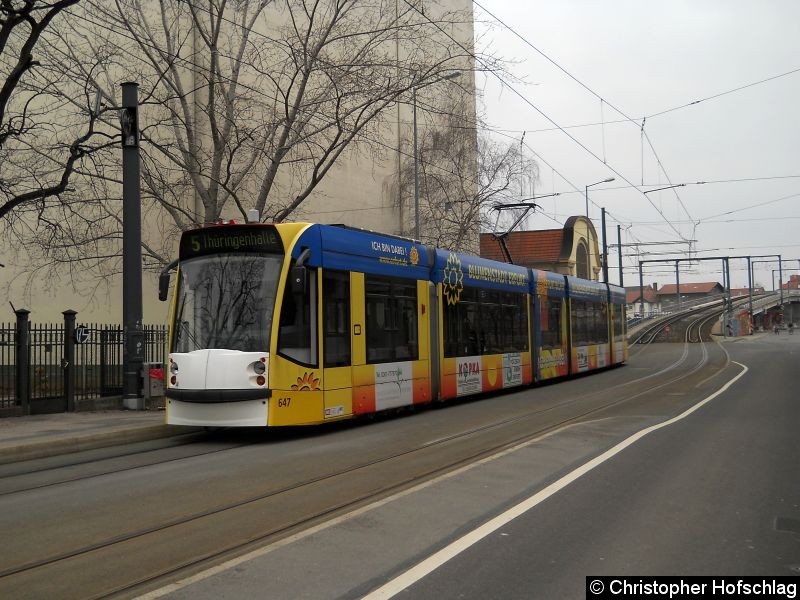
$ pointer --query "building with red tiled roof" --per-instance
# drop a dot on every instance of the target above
(736, 292)
(572, 250)
(652, 303)
(688, 291)
(692, 289)
(793, 283)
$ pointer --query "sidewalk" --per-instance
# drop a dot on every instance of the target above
(40, 436)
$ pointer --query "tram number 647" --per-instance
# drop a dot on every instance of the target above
(284, 402)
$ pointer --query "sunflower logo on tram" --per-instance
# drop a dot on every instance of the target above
(306, 383)
(452, 280)
(413, 256)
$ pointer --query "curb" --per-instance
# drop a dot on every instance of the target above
(91, 441)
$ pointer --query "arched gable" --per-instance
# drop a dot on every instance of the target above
(556, 250)
(581, 236)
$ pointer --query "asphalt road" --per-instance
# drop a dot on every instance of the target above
(695, 494)
(717, 493)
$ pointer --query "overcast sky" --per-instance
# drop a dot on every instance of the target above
(644, 58)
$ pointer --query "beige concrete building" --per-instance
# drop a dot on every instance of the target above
(362, 189)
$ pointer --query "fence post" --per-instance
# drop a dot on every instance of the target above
(68, 362)
(103, 359)
(23, 381)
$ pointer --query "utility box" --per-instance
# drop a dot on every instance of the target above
(153, 383)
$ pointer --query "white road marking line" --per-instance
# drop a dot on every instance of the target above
(433, 562)
(234, 562)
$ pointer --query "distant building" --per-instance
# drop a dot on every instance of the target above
(652, 302)
(573, 250)
(793, 283)
(737, 292)
(688, 292)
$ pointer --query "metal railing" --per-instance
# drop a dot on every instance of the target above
(43, 384)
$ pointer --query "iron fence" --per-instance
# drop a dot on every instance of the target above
(98, 358)
(8, 361)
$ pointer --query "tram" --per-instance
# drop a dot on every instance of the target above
(300, 324)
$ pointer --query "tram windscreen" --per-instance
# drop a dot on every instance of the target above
(226, 301)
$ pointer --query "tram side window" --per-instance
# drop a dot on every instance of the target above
(575, 326)
(391, 311)
(297, 335)
(619, 320)
(589, 322)
(336, 311)
(579, 323)
(518, 341)
(485, 322)
(601, 322)
(551, 322)
(488, 322)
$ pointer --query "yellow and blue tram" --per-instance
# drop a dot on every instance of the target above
(298, 323)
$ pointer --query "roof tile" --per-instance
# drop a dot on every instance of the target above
(525, 247)
(690, 288)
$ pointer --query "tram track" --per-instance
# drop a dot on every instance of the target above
(103, 473)
(148, 535)
(645, 338)
(649, 334)
(109, 472)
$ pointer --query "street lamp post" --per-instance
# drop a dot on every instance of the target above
(610, 179)
(416, 165)
(453, 75)
(133, 352)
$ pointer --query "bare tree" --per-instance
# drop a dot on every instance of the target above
(245, 104)
(462, 174)
(38, 155)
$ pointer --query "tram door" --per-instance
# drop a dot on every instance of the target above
(337, 343)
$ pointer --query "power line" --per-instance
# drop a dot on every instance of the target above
(591, 91)
(125, 34)
(730, 212)
(725, 93)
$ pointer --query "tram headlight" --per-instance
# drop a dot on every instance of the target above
(259, 368)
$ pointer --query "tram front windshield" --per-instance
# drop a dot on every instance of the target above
(226, 301)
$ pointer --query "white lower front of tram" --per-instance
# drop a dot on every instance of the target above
(218, 388)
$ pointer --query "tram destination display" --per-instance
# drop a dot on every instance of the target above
(245, 239)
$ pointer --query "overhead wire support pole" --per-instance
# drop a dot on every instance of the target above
(726, 273)
(605, 245)
(641, 290)
(726, 267)
(778, 256)
(680, 260)
(619, 252)
(750, 293)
